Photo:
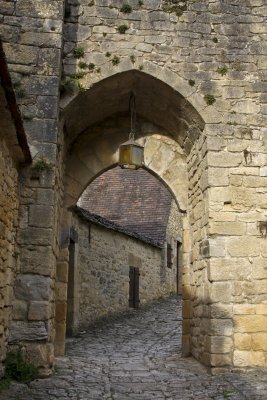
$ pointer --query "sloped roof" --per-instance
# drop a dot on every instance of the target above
(134, 200)
(96, 219)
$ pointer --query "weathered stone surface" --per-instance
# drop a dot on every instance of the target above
(227, 228)
(221, 327)
(225, 269)
(250, 323)
(37, 260)
(27, 331)
(35, 236)
(62, 272)
(32, 287)
(42, 356)
(10, 156)
(221, 344)
(41, 216)
(39, 311)
(221, 185)
(97, 292)
(151, 371)
(242, 341)
(19, 310)
(249, 358)
(244, 246)
(221, 292)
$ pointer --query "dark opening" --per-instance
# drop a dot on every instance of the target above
(169, 255)
(179, 244)
(70, 292)
(134, 300)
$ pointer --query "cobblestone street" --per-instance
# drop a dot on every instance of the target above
(137, 356)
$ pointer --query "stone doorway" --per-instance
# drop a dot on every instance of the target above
(124, 219)
(169, 129)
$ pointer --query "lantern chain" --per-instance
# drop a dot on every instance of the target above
(132, 106)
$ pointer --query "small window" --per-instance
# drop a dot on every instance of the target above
(169, 255)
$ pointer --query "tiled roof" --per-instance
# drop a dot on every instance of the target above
(96, 219)
(134, 200)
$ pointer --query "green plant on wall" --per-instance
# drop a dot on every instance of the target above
(222, 70)
(115, 60)
(122, 28)
(91, 66)
(126, 8)
(78, 75)
(228, 393)
(82, 65)
(18, 369)
(81, 86)
(72, 84)
(175, 6)
(41, 165)
(67, 86)
(78, 52)
(210, 99)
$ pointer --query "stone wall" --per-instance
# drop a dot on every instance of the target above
(196, 296)
(13, 152)
(174, 236)
(8, 223)
(103, 260)
(206, 62)
(32, 39)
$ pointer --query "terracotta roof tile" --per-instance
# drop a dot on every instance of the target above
(134, 200)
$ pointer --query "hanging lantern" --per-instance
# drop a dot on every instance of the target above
(131, 153)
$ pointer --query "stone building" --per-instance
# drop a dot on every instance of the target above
(14, 152)
(198, 71)
(123, 246)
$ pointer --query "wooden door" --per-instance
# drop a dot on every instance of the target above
(134, 300)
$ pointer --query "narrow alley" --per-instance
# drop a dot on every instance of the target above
(137, 356)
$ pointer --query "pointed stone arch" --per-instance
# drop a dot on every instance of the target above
(163, 98)
(96, 122)
(90, 149)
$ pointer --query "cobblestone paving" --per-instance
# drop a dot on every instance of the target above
(137, 356)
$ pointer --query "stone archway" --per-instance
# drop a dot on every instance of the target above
(97, 122)
(225, 286)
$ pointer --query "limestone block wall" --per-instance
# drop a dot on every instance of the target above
(8, 224)
(32, 39)
(214, 54)
(237, 244)
(196, 311)
(174, 234)
(103, 260)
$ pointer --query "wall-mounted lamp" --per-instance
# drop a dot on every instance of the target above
(131, 154)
